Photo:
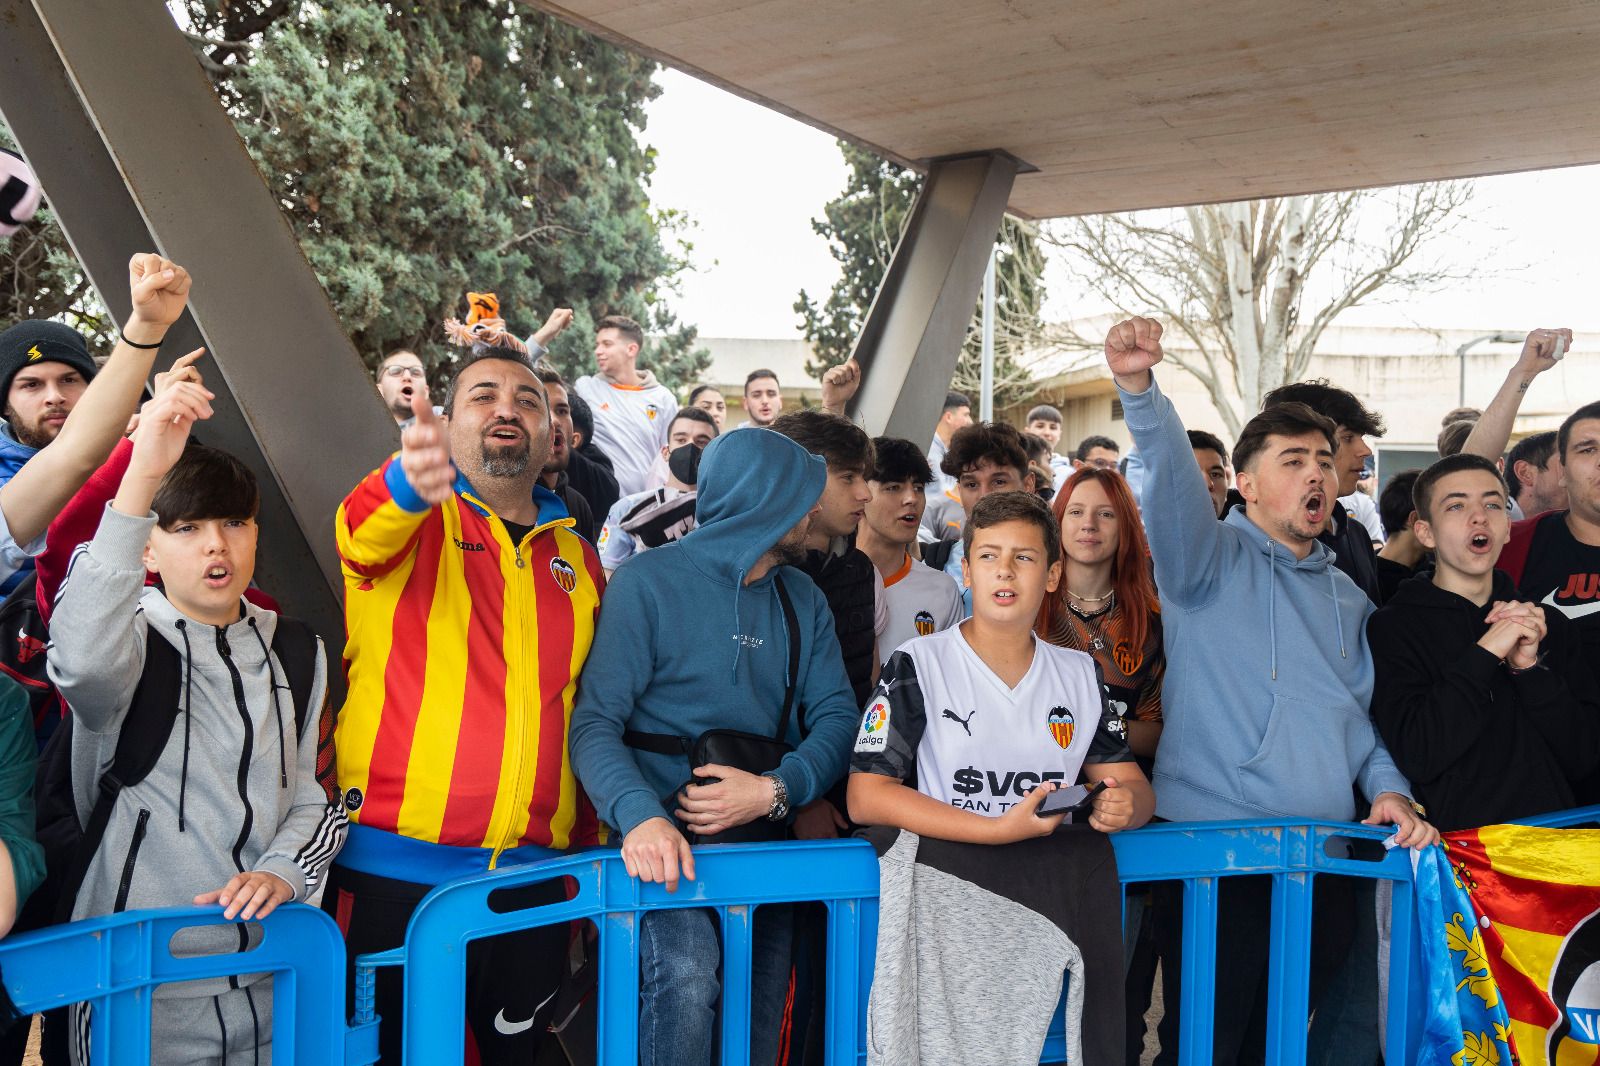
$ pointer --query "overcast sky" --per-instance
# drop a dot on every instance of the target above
(752, 180)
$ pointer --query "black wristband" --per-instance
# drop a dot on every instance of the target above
(141, 347)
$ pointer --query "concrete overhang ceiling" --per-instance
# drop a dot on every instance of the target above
(1124, 104)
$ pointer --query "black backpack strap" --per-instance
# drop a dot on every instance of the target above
(937, 554)
(143, 737)
(791, 621)
(657, 743)
(295, 645)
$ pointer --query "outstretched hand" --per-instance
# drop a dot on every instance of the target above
(559, 320)
(425, 452)
(1132, 348)
(164, 426)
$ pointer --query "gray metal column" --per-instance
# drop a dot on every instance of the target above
(135, 153)
(913, 334)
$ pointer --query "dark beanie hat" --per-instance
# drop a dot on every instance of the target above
(39, 341)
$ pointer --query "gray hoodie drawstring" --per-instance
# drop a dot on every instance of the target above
(188, 688)
(272, 683)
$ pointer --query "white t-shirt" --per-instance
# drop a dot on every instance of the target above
(942, 720)
(630, 426)
(920, 600)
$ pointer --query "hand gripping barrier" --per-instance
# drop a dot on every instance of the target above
(115, 962)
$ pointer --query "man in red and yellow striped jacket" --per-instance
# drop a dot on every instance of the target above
(470, 605)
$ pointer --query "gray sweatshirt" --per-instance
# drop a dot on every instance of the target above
(250, 797)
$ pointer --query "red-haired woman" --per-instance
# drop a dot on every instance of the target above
(1106, 604)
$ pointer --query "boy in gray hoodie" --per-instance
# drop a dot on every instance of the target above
(240, 809)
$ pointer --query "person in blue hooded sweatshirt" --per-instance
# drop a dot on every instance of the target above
(1269, 675)
(692, 637)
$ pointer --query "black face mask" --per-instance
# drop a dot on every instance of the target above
(684, 463)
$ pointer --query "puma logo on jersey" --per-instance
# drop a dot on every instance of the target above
(964, 723)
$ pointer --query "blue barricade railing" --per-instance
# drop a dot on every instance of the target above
(732, 880)
(115, 962)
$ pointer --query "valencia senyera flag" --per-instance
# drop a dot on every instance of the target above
(1510, 921)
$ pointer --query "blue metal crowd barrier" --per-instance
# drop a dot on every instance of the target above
(116, 962)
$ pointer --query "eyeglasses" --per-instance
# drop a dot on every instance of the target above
(404, 372)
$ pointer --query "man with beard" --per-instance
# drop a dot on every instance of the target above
(554, 476)
(401, 376)
(758, 647)
(470, 605)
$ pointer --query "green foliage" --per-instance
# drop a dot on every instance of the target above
(40, 277)
(421, 150)
(863, 225)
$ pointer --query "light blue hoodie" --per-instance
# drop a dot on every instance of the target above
(683, 645)
(1268, 671)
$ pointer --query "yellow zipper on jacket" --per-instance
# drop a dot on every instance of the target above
(503, 836)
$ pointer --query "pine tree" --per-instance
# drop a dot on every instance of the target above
(863, 225)
(422, 150)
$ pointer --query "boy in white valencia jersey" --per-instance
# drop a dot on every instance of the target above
(971, 728)
(918, 599)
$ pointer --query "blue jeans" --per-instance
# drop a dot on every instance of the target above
(680, 959)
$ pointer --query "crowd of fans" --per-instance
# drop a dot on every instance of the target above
(578, 612)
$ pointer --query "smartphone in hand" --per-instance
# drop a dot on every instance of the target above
(1073, 800)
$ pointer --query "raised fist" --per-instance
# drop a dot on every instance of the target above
(160, 289)
(559, 320)
(1132, 348)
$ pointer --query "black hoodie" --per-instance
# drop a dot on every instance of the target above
(1479, 744)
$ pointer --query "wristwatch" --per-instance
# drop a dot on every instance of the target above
(780, 798)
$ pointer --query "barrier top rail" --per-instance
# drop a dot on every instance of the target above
(114, 961)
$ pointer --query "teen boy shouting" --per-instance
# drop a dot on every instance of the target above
(1484, 700)
(240, 809)
(968, 732)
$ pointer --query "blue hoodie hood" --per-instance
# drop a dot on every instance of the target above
(754, 486)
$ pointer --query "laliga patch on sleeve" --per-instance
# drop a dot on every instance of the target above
(874, 727)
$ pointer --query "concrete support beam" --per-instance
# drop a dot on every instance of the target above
(135, 153)
(913, 334)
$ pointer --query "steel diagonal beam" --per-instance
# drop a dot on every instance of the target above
(912, 336)
(134, 152)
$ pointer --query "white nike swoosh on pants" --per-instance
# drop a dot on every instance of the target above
(1576, 610)
(507, 1028)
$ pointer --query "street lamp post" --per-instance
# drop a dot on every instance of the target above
(1503, 337)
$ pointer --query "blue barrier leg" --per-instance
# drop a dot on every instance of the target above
(738, 928)
(846, 1005)
(1197, 1012)
(1289, 976)
(619, 989)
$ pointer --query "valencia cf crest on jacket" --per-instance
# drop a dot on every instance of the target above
(564, 574)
